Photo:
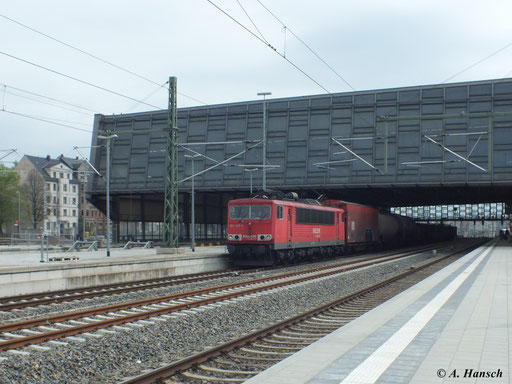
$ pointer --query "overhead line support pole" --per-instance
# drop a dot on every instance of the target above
(490, 142)
(108, 136)
(264, 156)
(171, 223)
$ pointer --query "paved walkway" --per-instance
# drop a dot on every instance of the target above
(30, 255)
(446, 329)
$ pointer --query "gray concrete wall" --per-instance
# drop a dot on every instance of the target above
(300, 132)
(79, 274)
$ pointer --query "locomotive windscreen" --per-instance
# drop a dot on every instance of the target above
(254, 212)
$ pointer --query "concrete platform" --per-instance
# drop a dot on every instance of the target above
(21, 272)
(446, 329)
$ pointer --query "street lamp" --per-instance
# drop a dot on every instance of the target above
(264, 160)
(108, 136)
(251, 170)
(193, 246)
(19, 215)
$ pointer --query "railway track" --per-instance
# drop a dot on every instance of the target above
(242, 358)
(40, 330)
(9, 303)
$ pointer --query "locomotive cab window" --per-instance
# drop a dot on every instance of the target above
(280, 212)
(253, 212)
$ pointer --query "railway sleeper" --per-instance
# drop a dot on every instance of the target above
(302, 335)
(257, 345)
(320, 328)
(316, 321)
(256, 352)
(252, 358)
(203, 378)
(235, 363)
(287, 342)
(220, 370)
(297, 337)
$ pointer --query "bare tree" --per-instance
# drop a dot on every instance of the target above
(8, 196)
(33, 190)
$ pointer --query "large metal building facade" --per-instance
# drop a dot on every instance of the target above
(449, 143)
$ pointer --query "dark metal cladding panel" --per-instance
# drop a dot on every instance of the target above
(300, 134)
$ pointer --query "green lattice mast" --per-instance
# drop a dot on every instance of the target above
(171, 224)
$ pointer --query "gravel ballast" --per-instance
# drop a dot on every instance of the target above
(128, 352)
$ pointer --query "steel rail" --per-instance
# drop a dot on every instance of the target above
(71, 331)
(48, 320)
(8, 303)
(160, 374)
(24, 301)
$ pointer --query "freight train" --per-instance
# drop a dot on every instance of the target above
(266, 231)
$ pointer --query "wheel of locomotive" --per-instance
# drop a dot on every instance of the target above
(289, 257)
(279, 257)
(299, 255)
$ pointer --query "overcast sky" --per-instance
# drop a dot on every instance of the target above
(372, 44)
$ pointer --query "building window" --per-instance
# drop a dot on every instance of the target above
(74, 188)
(65, 187)
(74, 200)
(54, 187)
(47, 186)
(48, 211)
(64, 200)
(64, 212)
(54, 175)
(87, 213)
(48, 199)
(60, 175)
(74, 212)
(48, 226)
(54, 200)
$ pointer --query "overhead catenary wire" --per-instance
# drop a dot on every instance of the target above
(251, 20)
(148, 96)
(93, 56)
(50, 118)
(477, 62)
(286, 28)
(49, 98)
(270, 46)
(46, 121)
(46, 103)
(78, 80)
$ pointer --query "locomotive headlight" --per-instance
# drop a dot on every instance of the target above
(232, 237)
(264, 237)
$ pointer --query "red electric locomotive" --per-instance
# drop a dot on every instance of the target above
(267, 232)
(264, 231)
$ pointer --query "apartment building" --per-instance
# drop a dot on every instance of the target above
(65, 207)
